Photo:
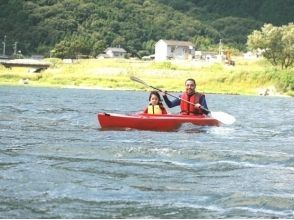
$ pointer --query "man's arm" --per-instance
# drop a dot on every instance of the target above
(171, 104)
(204, 104)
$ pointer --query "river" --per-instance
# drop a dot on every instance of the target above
(55, 162)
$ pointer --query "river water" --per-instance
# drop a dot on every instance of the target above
(55, 162)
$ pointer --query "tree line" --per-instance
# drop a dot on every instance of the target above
(68, 28)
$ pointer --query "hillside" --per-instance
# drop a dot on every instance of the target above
(277, 12)
(74, 27)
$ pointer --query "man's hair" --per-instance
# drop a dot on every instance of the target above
(190, 79)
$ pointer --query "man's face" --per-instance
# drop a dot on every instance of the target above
(190, 87)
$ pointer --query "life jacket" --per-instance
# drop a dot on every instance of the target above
(154, 109)
(187, 108)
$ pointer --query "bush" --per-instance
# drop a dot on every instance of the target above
(164, 65)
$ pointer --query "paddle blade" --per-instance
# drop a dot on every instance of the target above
(137, 80)
(223, 117)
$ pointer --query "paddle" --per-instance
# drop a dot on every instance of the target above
(223, 117)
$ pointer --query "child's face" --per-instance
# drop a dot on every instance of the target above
(154, 100)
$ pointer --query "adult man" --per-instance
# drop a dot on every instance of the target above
(188, 97)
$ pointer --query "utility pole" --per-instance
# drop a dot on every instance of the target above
(220, 48)
(14, 48)
(4, 42)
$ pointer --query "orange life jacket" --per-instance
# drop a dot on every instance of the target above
(187, 108)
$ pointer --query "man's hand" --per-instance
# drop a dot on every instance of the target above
(197, 105)
(163, 93)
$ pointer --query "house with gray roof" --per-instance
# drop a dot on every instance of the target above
(173, 49)
(115, 52)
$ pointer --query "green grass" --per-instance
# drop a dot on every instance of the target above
(246, 77)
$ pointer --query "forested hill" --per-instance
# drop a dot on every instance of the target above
(277, 12)
(72, 27)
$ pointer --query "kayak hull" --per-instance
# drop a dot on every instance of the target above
(152, 122)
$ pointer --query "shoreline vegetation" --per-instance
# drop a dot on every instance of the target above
(247, 77)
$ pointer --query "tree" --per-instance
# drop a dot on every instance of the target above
(72, 47)
(149, 46)
(202, 43)
(234, 30)
(276, 42)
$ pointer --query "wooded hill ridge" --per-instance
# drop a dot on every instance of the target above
(90, 26)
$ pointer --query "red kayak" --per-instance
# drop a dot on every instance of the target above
(153, 122)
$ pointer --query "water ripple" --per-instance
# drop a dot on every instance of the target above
(56, 162)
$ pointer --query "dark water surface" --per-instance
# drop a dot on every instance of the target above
(55, 162)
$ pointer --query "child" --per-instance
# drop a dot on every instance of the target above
(155, 104)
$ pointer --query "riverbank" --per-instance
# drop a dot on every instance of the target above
(247, 77)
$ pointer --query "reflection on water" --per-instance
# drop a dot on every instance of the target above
(56, 162)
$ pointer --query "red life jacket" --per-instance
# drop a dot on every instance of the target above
(187, 108)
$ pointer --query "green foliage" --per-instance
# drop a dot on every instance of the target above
(74, 46)
(149, 46)
(245, 78)
(55, 61)
(234, 30)
(277, 44)
(284, 80)
(202, 43)
(89, 26)
(164, 65)
(277, 12)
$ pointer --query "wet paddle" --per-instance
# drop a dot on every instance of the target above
(223, 117)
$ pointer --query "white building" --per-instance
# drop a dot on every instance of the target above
(114, 52)
(172, 49)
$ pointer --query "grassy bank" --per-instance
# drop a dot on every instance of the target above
(247, 77)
